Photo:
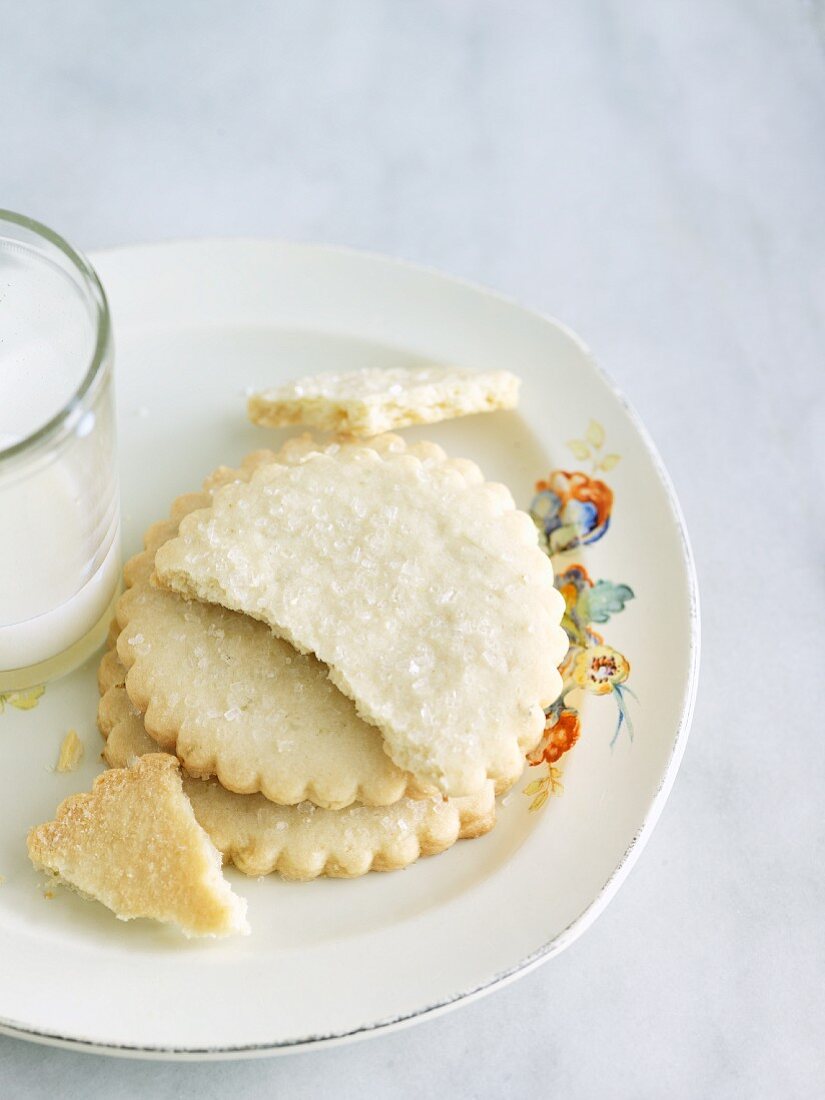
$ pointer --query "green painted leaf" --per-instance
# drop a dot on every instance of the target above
(539, 800)
(609, 461)
(595, 433)
(597, 604)
(25, 700)
(579, 448)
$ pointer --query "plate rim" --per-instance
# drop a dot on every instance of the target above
(580, 924)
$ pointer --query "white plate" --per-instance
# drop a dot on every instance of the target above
(196, 324)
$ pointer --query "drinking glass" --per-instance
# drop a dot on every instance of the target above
(59, 504)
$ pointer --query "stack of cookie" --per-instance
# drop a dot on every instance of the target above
(347, 646)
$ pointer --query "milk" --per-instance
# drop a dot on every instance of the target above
(55, 590)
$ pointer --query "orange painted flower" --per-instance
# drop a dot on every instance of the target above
(571, 509)
(560, 734)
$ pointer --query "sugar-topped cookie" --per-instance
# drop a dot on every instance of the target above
(304, 841)
(419, 585)
(134, 844)
(231, 700)
(367, 402)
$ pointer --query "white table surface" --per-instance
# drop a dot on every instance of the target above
(652, 173)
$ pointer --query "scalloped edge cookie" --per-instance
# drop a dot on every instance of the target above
(420, 586)
(304, 842)
(333, 760)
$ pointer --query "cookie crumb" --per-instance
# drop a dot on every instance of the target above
(71, 752)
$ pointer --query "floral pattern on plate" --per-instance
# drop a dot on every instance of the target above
(21, 700)
(572, 509)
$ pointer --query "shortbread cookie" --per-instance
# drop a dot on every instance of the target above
(111, 670)
(111, 637)
(134, 844)
(422, 588)
(300, 447)
(367, 402)
(305, 841)
(233, 701)
(122, 728)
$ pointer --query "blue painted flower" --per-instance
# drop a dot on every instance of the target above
(571, 509)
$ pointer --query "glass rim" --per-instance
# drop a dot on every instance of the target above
(92, 283)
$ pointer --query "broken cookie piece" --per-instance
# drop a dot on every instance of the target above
(134, 844)
(367, 402)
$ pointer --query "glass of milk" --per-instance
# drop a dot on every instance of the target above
(59, 505)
